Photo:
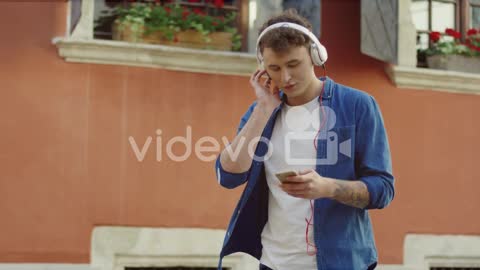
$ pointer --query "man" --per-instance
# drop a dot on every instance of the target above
(330, 135)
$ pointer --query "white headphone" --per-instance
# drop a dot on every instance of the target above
(317, 51)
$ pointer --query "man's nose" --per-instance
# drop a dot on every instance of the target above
(286, 76)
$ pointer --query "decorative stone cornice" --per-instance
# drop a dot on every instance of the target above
(432, 79)
(147, 55)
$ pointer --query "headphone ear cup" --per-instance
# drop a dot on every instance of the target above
(314, 53)
(260, 60)
(322, 53)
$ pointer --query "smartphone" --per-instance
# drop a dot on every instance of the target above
(283, 175)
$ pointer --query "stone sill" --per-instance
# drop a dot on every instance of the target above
(432, 79)
(148, 55)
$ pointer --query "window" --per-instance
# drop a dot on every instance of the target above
(389, 33)
(104, 19)
(82, 44)
(433, 15)
(438, 15)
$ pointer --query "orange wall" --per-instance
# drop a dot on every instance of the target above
(67, 166)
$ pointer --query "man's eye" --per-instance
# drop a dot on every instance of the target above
(293, 65)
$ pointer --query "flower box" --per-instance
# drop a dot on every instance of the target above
(453, 53)
(186, 38)
(470, 64)
(194, 39)
(127, 32)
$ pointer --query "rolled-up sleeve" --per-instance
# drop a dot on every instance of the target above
(227, 179)
(372, 154)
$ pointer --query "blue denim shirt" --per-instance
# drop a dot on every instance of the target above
(343, 234)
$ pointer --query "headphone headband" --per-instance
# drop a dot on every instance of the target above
(317, 51)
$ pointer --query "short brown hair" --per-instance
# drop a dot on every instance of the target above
(282, 39)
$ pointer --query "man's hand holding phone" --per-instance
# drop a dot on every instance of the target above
(284, 175)
(306, 184)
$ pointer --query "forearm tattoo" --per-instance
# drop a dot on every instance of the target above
(352, 193)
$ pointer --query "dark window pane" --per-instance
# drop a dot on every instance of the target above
(103, 24)
(475, 15)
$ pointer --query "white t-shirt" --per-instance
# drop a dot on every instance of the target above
(283, 237)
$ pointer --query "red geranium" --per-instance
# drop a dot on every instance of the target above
(170, 19)
(453, 33)
(471, 32)
(199, 11)
(435, 36)
(444, 45)
(218, 3)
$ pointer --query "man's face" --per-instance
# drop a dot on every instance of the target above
(292, 71)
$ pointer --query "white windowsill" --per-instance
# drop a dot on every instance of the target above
(148, 55)
(441, 80)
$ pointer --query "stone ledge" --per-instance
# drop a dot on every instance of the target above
(148, 55)
(424, 78)
(45, 266)
(442, 250)
(113, 248)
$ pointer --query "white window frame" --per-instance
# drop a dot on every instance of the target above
(406, 75)
(81, 47)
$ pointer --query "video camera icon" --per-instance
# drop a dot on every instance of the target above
(327, 156)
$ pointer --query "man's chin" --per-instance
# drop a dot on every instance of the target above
(292, 93)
